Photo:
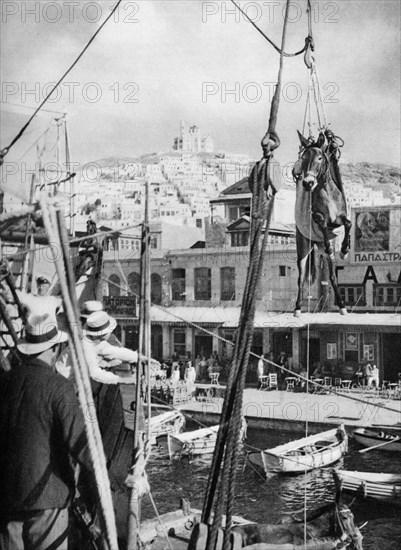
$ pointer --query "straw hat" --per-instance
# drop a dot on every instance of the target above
(99, 323)
(41, 333)
(90, 307)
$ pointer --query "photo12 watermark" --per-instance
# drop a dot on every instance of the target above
(253, 92)
(67, 11)
(69, 92)
(269, 12)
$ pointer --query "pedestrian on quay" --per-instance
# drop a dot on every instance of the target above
(367, 373)
(190, 376)
(41, 432)
(260, 371)
(175, 375)
(182, 366)
(282, 361)
(175, 358)
(374, 377)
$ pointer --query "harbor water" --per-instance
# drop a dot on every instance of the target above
(268, 500)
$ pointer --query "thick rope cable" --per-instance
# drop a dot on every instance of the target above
(54, 226)
(5, 150)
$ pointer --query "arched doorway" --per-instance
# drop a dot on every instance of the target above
(134, 283)
(157, 342)
(114, 285)
(155, 288)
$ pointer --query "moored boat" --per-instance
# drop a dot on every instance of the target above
(198, 442)
(381, 439)
(303, 455)
(170, 422)
(194, 443)
(383, 487)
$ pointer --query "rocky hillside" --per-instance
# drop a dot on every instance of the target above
(371, 174)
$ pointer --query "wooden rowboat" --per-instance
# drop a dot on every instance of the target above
(372, 438)
(198, 442)
(383, 487)
(171, 422)
(194, 443)
(303, 455)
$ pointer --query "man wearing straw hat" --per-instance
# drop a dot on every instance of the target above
(41, 428)
(98, 328)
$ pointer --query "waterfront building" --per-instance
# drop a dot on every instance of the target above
(204, 286)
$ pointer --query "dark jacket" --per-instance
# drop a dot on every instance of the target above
(41, 427)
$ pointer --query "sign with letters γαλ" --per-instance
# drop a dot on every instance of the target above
(120, 306)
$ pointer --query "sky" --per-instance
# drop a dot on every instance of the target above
(158, 62)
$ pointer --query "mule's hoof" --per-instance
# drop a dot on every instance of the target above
(297, 313)
(343, 255)
(343, 311)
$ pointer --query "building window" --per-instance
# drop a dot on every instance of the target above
(155, 289)
(199, 223)
(353, 295)
(153, 241)
(179, 341)
(239, 238)
(351, 346)
(178, 284)
(114, 285)
(235, 212)
(281, 270)
(134, 283)
(203, 283)
(227, 283)
(387, 295)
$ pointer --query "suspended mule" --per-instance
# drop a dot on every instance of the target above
(320, 211)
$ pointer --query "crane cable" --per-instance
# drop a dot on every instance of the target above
(5, 150)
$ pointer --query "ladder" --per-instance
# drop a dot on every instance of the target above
(12, 313)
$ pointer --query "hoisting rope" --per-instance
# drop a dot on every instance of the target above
(308, 39)
(313, 81)
(55, 226)
(220, 488)
(5, 150)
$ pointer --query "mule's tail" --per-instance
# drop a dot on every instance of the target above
(310, 269)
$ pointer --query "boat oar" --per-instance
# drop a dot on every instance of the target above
(380, 445)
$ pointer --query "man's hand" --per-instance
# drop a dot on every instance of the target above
(127, 380)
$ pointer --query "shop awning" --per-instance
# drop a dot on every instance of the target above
(229, 317)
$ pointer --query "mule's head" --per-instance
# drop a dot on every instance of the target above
(311, 164)
(348, 528)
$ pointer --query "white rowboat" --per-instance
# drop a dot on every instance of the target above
(373, 438)
(171, 422)
(383, 487)
(195, 443)
(303, 455)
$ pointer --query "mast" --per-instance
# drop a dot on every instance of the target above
(71, 179)
(142, 373)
